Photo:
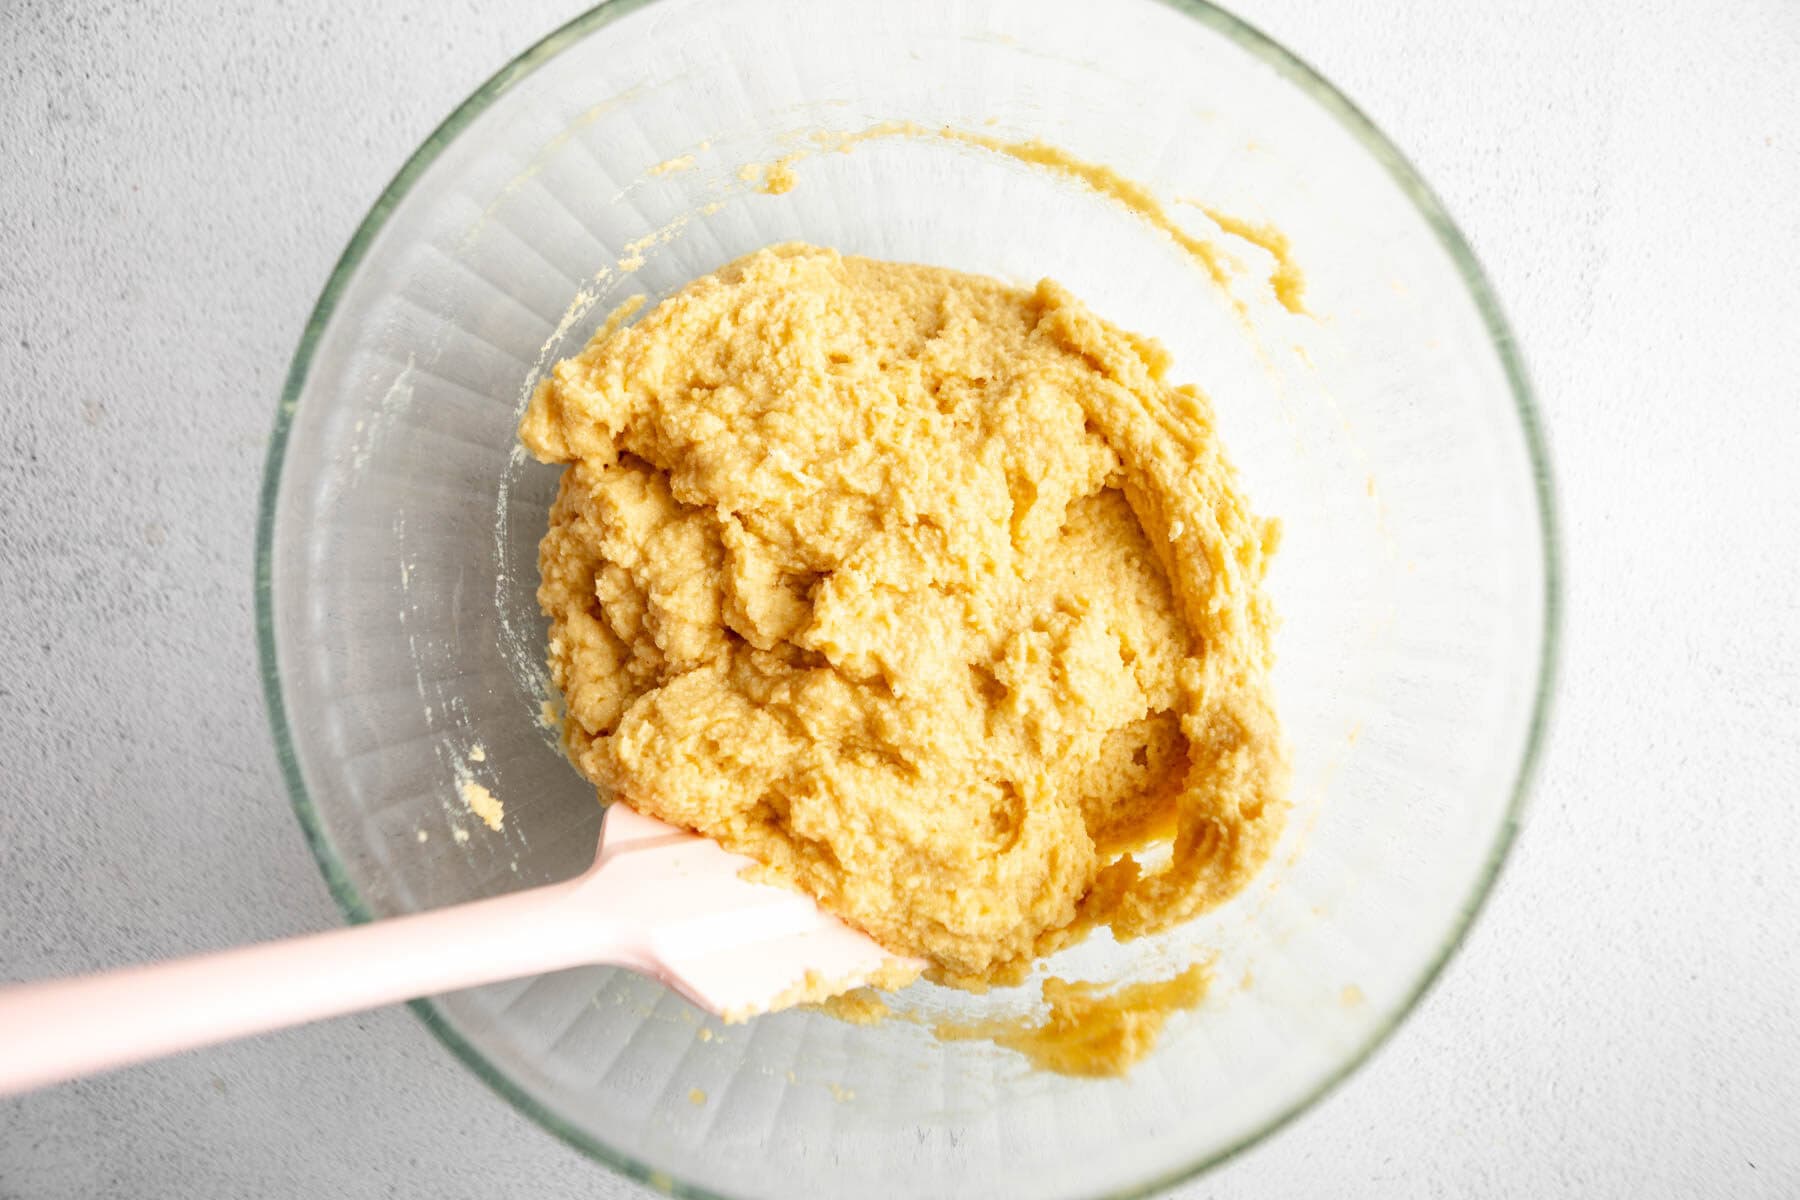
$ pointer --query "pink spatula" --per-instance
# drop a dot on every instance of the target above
(657, 900)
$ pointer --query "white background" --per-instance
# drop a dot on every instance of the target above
(175, 185)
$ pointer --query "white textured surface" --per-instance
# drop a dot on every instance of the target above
(1625, 1020)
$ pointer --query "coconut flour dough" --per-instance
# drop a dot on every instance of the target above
(925, 591)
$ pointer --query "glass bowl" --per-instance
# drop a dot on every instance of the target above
(1388, 424)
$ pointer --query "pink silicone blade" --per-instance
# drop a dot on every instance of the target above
(731, 945)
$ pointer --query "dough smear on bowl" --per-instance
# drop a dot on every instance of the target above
(925, 591)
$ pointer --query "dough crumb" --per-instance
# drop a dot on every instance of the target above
(779, 177)
(696, 1096)
(460, 834)
(477, 753)
(484, 804)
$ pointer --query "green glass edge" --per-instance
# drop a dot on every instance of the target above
(1290, 67)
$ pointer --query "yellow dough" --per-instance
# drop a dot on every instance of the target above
(925, 591)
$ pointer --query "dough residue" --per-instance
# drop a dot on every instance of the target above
(1287, 282)
(859, 1006)
(928, 592)
(1091, 1030)
(817, 988)
(673, 166)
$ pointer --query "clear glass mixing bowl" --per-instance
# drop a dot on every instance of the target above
(1390, 427)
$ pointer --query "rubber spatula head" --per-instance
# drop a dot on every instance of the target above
(731, 945)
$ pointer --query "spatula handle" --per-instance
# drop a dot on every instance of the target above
(61, 1029)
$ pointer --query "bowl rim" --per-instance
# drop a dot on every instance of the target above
(1412, 185)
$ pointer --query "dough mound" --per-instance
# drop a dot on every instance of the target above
(923, 590)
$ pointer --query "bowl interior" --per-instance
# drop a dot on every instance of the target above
(1386, 425)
